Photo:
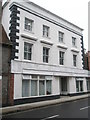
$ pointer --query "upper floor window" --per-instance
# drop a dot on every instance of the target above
(61, 58)
(28, 24)
(27, 51)
(45, 54)
(45, 31)
(75, 60)
(61, 36)
(73, 41)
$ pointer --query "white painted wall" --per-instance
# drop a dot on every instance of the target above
(55, 86)
(54, 50)
(17, 86)
(37, 33)
(36, 66)
(72, 85)
(85, 84)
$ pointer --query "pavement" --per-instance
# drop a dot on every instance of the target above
(24, 107)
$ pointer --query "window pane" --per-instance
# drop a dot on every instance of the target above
(30, 48)
(81, 85)
(43, 51)
(61, 54)
(61, 36)
(27, 51)
(45, 31)
(45, 54)
(25, 55)
(34, 77)
(74, 60)
(25, 88)
(25, 47)
(48, 87)
(46, 59)
(33, 88)
(73, 41)
(29, 56)
(28, 24)
(42, 77)
(41, 87)
(77, 86)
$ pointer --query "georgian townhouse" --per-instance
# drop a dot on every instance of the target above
(47, 53)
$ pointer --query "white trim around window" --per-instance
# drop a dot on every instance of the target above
(31, 43)
(60, 37)
(79, 86)
(61, 58)
(28, 25)
(46, 31)
(35, 86)
(74, 42)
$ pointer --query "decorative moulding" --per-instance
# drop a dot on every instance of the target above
(62, 46)
(29, 37)
(46, 42)
(75, 50)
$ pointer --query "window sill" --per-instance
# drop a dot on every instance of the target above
(61, 65)
(28, 31)
(45, 63)
(29, 61)
(62, 46)
(46, 42)
(28, 37)
(75, 50)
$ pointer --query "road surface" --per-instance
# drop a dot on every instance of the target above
(75, 109)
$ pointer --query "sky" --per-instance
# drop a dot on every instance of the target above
(75, 11)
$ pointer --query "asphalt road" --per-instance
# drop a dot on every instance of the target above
(75, 109)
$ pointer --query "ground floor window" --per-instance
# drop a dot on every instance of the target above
(37, 86)
(42, 87)
(25, 88)
(79, 86)
(34, 88)
(88, 85)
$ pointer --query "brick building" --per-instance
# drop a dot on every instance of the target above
(87, 60)
(6, 76)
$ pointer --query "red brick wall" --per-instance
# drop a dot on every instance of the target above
(11, 90)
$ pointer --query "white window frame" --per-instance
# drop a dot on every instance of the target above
(62, 58)
(79, 86)
(73, 41)
(45, 56)
(88, 85)
(46, 31)
(28, 52)
(45, 79)
(29, 87)
(61, 36)
(75, 60)
(29, 26)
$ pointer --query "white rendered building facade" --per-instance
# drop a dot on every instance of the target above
(47, 53)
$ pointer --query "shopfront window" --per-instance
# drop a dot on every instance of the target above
(79, 86)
